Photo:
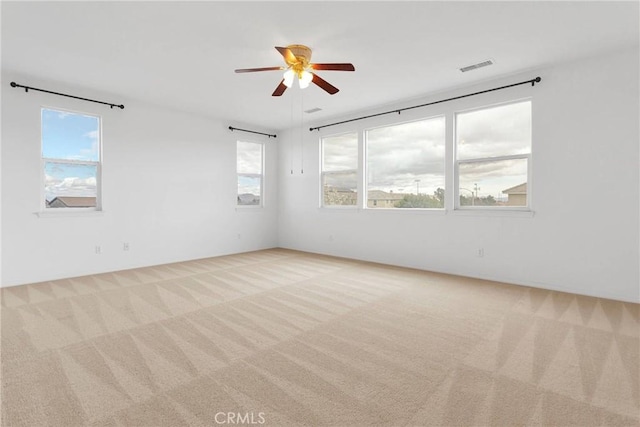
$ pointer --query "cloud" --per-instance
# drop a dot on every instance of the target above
(69, 186)
(91, 153)
(400, 155)
(249, 157)
(492, 132)
(397, 156)
(249, 185)
(94, 134)
(340, 152)
(499, 131)
(410, 157)
(493, 177)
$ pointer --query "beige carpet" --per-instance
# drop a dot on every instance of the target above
(281, 338)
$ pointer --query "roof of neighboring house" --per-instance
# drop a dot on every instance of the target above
(518, 189)
(248, 197)
(338, 189)
(75, 202)
(383, 195)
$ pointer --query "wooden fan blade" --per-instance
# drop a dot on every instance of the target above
(333, 67)
(289, 57)
(280, 89)
(252, 70)
(319, 81)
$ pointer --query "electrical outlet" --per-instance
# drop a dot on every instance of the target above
(331, 237)
(480, 252)
(98, 250)
(239, 236)
(125, 246)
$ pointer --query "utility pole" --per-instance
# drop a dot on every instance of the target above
(475, 187)
(417, 181)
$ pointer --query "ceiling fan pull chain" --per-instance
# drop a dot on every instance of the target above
(301, 133)
(291, 139)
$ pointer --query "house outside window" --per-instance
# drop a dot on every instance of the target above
(71, 160)
(493, 157)
(250, 166)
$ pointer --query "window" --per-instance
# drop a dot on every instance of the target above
(249, 168)
(493, 152)
(70, 160)
(340, 170)
(405, 165)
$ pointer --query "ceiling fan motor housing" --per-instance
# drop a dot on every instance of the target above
(302, 54)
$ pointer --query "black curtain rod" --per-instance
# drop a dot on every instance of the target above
(532, 81)
(26, 89)
(270, 135)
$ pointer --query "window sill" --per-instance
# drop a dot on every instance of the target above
(69, 214)
(495, 212)
(419, 211)
(339, 208)
(249, 208)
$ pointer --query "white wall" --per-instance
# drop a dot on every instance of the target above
(583, 236)
(169, 190)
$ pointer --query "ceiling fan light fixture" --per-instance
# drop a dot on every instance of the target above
(298, 64)
(305, 79)
(288, 77)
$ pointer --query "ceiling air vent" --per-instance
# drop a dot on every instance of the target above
(313, 110)
(478, 65)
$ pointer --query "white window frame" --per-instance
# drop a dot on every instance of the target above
(252, 175)
(97, 164)
(324, 173)
(457, 162)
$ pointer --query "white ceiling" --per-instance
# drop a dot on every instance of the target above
(183, 54)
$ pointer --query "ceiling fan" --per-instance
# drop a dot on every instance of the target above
(298, 57)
